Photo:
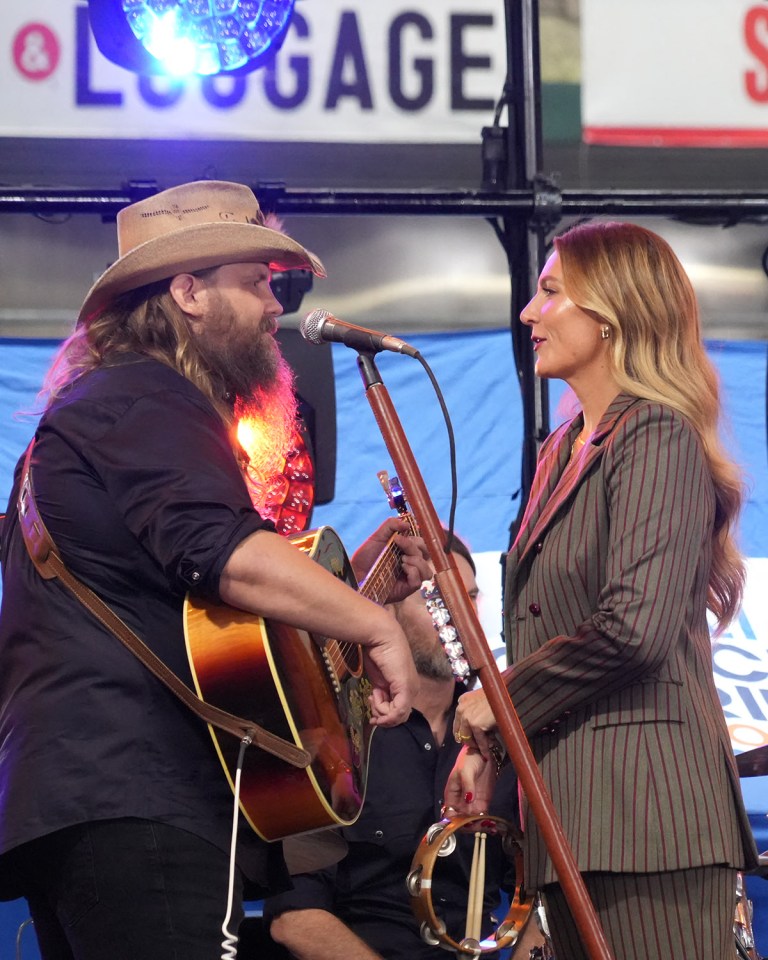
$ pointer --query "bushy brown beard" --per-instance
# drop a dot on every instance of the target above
(267, 427)
(241, 366)
(240, 361)
(256, 379)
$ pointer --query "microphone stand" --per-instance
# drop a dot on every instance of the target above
(480, 659)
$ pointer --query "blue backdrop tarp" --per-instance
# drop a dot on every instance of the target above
(476, 373)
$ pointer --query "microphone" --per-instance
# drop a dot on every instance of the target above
(321, 327)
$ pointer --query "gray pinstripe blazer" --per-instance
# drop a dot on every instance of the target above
(604, 609)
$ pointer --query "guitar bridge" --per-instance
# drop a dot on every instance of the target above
(331, 669)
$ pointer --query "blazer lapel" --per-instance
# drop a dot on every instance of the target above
(563, 475)
(552, 461)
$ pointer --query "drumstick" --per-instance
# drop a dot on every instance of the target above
(476, 889)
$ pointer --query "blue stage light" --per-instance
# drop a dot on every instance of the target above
(180, 37)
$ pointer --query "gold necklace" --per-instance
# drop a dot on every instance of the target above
(577, 444)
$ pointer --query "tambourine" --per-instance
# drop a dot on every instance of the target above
(440, 841)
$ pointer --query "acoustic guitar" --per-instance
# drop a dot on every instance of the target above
(308, 689)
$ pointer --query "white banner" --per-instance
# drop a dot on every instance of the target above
(741, 664)
(675, 72)
(349, 71)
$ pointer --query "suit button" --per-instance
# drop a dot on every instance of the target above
(535, 609)
(539, 547)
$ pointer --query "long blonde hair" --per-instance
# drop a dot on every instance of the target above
(145, 321)
(630, 278)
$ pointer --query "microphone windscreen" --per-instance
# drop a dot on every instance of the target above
(312, 324)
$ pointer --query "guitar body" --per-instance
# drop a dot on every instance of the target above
(308, 689)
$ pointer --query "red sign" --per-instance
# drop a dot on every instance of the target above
(36, 51)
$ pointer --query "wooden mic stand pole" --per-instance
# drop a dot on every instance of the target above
(480, 659)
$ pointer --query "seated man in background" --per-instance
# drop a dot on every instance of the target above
(359, 909)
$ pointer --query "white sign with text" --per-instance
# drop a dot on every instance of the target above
(349, 71)
(675, 73)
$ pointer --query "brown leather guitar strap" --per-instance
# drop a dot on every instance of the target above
(49, 565)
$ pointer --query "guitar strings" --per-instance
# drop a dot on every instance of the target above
(375, 583)
(379, 578)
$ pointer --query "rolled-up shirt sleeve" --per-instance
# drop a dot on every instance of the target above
(150, 475)
(311, 891)
(180, 491)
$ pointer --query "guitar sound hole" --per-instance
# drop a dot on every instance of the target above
(353, 659)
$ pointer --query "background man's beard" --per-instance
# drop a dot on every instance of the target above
(433, 665)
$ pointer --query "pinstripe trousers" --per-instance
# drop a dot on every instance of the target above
(677, 915)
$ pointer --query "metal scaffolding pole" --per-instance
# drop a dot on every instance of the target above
(536, 201)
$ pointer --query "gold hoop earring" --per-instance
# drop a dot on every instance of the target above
(605, 331)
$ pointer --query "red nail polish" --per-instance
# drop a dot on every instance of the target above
(468, 797)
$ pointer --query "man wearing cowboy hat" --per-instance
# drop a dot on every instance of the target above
(115, 816)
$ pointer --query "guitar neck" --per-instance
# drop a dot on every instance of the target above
(377, 586)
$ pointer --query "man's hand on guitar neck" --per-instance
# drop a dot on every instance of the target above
(381, 656)
(415, 566)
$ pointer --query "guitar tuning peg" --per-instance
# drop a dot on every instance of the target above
(384, 481)
(393, 490)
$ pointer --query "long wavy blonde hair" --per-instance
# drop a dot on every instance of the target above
(145, 321)
(630, 278)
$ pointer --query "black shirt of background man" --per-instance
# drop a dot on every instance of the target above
(366, 890)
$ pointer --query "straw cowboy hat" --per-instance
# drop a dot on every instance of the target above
(192, 227)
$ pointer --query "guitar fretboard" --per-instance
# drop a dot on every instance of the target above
(377, 586)
(382, 576)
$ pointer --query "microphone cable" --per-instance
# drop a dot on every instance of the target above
(451, 449)
(320, 326)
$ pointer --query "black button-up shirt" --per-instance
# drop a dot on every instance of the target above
(136, 479)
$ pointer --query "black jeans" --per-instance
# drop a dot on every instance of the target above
(127, 890)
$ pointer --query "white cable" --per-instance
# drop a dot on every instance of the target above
(229, 943)
(19, 932)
